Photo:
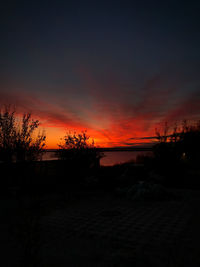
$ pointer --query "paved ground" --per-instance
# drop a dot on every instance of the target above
(125, 225)
(141, 223)
(107, 231)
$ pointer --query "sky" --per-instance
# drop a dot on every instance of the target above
(117, 69)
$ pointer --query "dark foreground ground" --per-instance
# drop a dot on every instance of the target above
(86, 226)
(82, 229)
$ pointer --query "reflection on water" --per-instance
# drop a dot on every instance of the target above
(49, 155)
(115, 157)
(111, 157)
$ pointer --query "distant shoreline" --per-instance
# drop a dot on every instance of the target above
(114, 149)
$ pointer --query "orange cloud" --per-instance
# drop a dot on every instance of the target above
(112, 115)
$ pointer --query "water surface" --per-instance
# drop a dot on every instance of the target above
(111, 157)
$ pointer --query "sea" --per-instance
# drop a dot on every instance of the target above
(110, 157)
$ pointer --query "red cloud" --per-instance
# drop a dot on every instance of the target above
(113, 115)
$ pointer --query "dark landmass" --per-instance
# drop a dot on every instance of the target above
(113, 149)
(132, 214)
(74, 212)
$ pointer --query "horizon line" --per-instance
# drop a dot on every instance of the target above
(117, 148)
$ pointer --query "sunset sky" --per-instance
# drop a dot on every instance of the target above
(117, 69)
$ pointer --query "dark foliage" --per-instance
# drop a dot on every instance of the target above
(177, 153)
(18, 142)
(181, 145)
(77, 149)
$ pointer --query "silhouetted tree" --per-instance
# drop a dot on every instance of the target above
(162, 135)
(18, 141)
(178, 143)
(78, 148)
(189, 141)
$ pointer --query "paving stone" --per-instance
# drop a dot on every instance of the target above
(143, 223)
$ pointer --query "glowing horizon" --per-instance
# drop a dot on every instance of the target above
(137, 131)
(114, 70)
(55, 136)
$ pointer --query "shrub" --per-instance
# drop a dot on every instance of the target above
(182, 143)
(77, 148)
(18, 141)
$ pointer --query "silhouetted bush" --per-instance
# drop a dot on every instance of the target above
(181, 145)
(176, 152)
(79, 151)
(18, 142)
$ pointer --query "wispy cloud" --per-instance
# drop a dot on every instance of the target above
(114, 113)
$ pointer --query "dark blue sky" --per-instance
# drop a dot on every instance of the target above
(116, 68)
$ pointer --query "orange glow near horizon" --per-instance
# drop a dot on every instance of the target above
(104, 69)
(123, 133)
(56, 134)
(115, 136)
(106, 130)
(108, 123)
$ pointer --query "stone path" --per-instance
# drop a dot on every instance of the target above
(103, 230)
(127, 224)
